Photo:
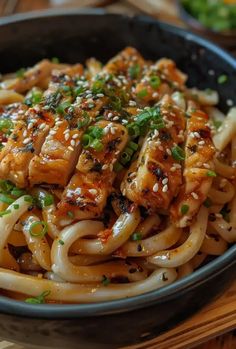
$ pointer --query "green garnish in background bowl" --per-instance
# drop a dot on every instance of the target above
(219, 15)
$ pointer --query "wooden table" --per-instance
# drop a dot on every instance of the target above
(218, 317)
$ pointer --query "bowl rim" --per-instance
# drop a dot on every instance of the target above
(210, 270)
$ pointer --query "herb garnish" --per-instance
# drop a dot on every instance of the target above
(105, 280)
(134, 71)
(136, 236)
(178, 153)
(184, 209)
(39, 299)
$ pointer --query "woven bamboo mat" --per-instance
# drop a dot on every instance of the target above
(186, 335)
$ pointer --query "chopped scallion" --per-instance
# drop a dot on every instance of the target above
(55, 60)
(84, 121)
(184, 209)
(207, 203)
(222, 79)
(20, 73)
(97, 145)
(6, 199)
(4, 213)
(39, 299)
(118, 167)
(70, 214)
(178, 153)
(134, 71)
(105, 280)
(211, 174)
(38, 229)
(136, 236)
(155, 81)
(133, 146)
(142, 93)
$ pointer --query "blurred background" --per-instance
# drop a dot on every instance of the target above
(213, 19)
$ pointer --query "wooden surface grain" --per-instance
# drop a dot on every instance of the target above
(218, 317)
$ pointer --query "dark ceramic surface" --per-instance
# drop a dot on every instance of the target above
(73, 37)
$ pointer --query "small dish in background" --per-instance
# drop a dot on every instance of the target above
(226, 38)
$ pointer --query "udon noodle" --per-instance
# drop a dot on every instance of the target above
(115, 179)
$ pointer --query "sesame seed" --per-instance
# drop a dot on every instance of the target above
(70, 148)
(89, 95)
(72, 142)
(173, 169)
(42, 126)
(177, 165)
(155, 94)
(75, 136)
(206, 165)
(113, 130)
(201, 142)
(218, 215)
(110, 115)
(223, 183)
(133, 174)
(59, 122)
(165, 181)
(132, 103)
(67, 136)
(168, 151)
(211, 72)
(111, 167)
(156, 133)
(105, 167)
(93, 191)
(31, 125)
(165, 188)
(155, 187)
(229, 102)
(27, 140)
(25, 133)
(100, 95)
(124, 121)
(52, 132)
(196, 134)
(194, 195)
(116, 118)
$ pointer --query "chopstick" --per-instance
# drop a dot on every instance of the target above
(9, 7)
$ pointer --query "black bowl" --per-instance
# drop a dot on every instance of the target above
(73, 36)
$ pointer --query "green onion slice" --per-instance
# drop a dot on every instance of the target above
(35, 230)
(155, 81)
(39, 299)
(105, 280)
(184, 209)
(178, 153)
(6, 199)
(211, 173)
(136, 236)
(4, 213)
